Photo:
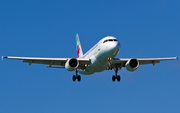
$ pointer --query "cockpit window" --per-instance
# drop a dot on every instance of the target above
(105, 41)
(110, 40)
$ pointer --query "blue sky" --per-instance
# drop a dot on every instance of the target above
(47, 29)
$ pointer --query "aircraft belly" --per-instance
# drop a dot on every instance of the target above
(96, 66)
(85, 72)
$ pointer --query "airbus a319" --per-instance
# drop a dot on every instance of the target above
(99, 58)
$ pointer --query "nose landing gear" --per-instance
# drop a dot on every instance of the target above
(114, 77)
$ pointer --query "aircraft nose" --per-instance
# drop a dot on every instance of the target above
(114, 48)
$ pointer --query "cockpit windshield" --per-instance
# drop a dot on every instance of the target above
(108, 40)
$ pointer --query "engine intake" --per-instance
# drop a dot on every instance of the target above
(71, 64)
(132, 64)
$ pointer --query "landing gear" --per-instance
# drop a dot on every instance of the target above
(78, 77)
(114, 77)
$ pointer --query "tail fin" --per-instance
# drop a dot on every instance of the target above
(79, 48)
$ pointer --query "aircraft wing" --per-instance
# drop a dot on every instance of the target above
(58, 62)
(121, 62)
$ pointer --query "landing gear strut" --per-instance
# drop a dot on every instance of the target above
(114, 77)
(78, 77)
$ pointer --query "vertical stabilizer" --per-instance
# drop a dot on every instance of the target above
(78, 47)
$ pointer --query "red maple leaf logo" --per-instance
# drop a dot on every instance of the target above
(78, 51)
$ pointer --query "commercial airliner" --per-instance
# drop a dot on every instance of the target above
(99, 58)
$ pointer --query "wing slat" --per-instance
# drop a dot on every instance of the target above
(48, 61)
(122, 61)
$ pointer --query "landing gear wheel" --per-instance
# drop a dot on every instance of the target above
(79, 78)
(74, 78)
(118, 78)
(113, 78)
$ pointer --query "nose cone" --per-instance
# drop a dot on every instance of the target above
(114, 47)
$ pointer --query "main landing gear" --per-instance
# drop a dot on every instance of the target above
(78, 77)
(114, 77)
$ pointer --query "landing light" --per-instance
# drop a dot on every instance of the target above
(86, 65)
(109, 58)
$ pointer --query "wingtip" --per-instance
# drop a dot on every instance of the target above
(3, 57)
(177, 58)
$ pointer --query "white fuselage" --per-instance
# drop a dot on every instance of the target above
(107, 47)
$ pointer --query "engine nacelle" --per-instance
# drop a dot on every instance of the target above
(132, 64)
(71, 64)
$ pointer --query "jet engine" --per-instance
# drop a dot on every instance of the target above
(132, 64)
(71, 64)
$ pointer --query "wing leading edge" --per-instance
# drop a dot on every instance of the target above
(59, 62)
(121, 62)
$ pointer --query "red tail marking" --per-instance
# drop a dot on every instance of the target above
(78, 51)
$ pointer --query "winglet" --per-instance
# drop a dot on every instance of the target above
(4, 57)
(177, 58)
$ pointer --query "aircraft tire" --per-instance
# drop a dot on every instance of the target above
(113, 78)
(74, 78)
(79, 78)
(118, 78)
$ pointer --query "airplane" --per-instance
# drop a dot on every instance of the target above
(99, 58)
